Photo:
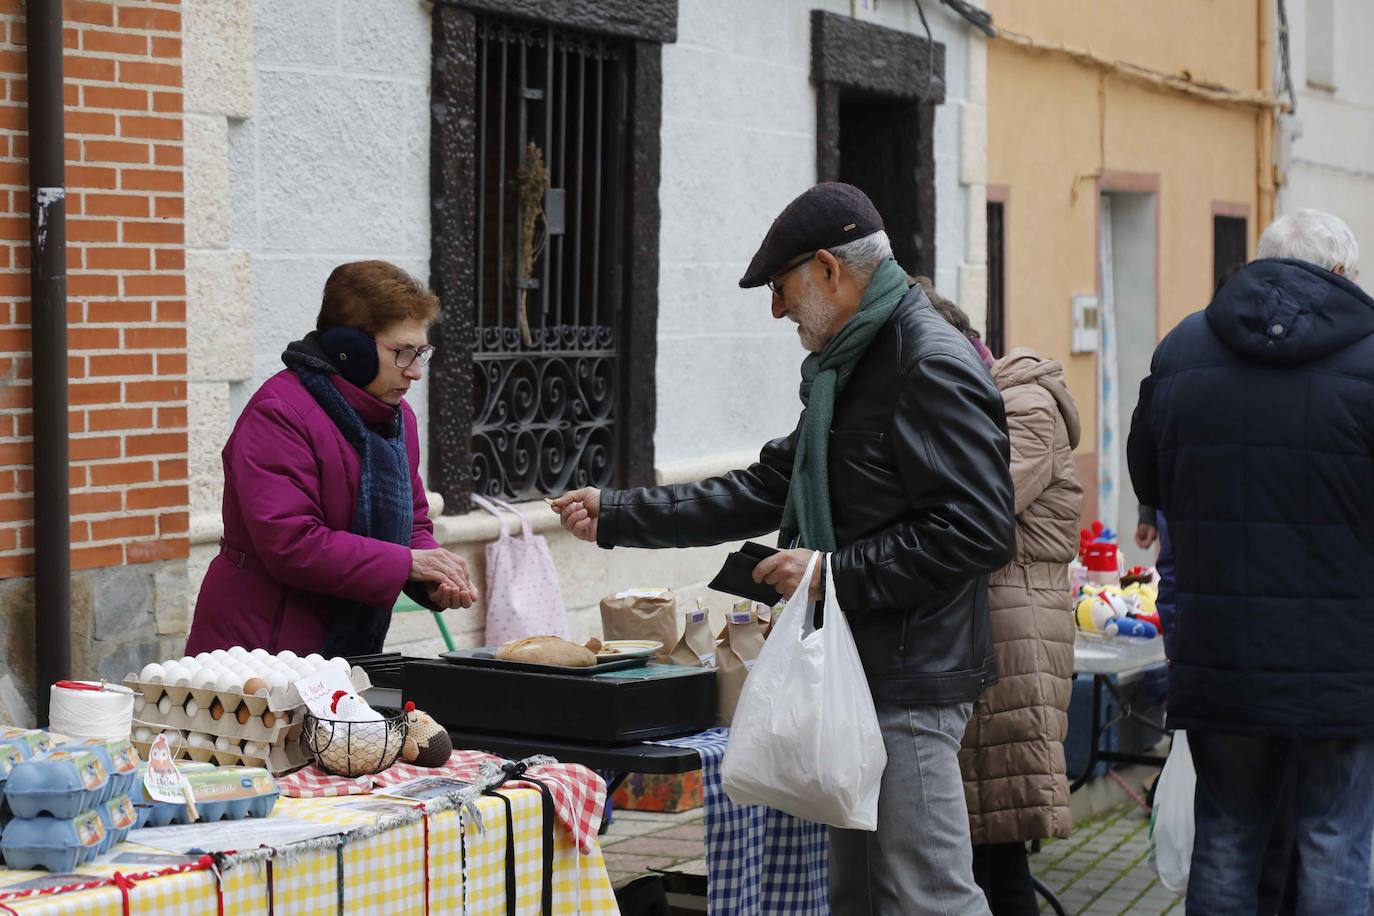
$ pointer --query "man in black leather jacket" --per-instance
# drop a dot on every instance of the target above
(921, 500)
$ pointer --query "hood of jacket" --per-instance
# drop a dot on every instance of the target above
(1278, 310)
(1025, 367)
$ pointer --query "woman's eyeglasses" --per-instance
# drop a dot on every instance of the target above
(407, 355)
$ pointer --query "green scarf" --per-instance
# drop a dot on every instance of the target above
(824, 376)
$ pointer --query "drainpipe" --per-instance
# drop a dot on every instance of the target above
(48, 275)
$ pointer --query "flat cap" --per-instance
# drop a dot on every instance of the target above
(829, 215)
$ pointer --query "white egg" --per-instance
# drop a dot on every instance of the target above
(192, 707)
(275, 680)
(151, 673)
(238, 651)
(229, 682)
(172, 673)
(286, 655)
(261, 654)
(203, 657)
(254, 749)
(164, 705)
(204, 679)
(200, 739)
(143, 734)
(314, 660)
(226, 744)
(139, 703)
(219, 653)
(187, 661)
(339, 662)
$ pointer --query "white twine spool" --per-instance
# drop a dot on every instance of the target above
(105, 713)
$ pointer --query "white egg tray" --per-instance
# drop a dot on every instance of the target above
(282, 739)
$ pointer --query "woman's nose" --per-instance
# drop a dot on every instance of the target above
(414, 371)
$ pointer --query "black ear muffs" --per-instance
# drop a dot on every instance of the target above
(351, 352)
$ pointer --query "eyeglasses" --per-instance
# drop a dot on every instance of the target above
(407, 355)
(775, 281)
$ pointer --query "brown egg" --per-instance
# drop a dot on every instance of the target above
(216, 709)
(242, 715)
(253, 685)
(269, 718)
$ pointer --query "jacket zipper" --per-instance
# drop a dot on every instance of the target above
(906, 621)
(277, 620)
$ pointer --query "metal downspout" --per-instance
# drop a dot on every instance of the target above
(48, 274)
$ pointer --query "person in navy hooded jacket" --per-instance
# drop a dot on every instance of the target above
(1254, 435)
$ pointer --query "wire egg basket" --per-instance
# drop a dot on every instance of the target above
(354, 748)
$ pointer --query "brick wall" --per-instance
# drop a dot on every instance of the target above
(126, 286)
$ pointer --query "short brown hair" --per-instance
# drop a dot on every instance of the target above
(948, 310)
(372, 295)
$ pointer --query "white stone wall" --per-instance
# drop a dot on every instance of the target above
(1326, 152)
(739, 142)
(322, 156)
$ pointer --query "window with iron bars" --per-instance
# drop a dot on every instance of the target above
(550, 279)
(545, 257)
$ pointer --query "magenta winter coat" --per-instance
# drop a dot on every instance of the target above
(290, 486)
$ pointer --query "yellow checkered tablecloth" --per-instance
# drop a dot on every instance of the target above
(384, 873)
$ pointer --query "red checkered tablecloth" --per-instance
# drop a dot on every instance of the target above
(579, 795)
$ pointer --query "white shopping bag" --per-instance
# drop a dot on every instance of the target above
(1171, 819)
(805, 736)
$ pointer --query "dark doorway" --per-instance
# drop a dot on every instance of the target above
(1229, 238)
(997, 280)
(877, 137)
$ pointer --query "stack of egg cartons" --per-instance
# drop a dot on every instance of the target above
(56, 798)
(229, 706)
(16, 746)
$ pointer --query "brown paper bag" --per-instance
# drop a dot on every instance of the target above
(641, 613)
(735, 656)
(697, 647)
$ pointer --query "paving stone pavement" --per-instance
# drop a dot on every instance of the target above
(1102, 870)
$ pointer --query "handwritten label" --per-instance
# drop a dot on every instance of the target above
(317, 691)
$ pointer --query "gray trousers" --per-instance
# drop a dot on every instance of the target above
(919, 861)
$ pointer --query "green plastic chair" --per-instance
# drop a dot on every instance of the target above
(405, 605)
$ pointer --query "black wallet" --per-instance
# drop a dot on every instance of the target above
(736, 577)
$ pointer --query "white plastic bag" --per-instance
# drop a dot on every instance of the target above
(805, 736)
(1171, 819)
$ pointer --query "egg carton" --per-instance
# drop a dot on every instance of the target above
(279, 760)
(281, 699)
(287, 724)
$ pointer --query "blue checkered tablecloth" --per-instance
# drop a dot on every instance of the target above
(759, 861)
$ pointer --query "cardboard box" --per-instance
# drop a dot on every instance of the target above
(664, 793)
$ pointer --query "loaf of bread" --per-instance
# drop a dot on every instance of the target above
(547, 650)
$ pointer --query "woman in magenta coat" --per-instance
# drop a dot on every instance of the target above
(326, 521)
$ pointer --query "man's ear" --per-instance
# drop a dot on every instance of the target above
(1338, 270)
(830, 268)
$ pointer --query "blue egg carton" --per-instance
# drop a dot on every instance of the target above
(119, 817)
(206, 782)
(53, 843)
(119, 759)
(60, 784)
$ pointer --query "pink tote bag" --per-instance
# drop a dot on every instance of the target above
(522, 595)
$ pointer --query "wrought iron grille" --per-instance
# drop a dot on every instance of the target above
(550, 277)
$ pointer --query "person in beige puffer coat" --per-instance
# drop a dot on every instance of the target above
(1012, 757)
(1013, 752)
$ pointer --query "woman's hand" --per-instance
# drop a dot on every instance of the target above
(446, 571)
(446, 596)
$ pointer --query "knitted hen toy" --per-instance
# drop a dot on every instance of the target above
(427, 742)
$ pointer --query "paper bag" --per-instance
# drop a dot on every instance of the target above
(697, 647)
(641, 613)
(735, 656)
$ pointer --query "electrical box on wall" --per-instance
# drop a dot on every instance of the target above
(1086, 332)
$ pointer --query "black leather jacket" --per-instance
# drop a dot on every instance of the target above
(921, 498)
